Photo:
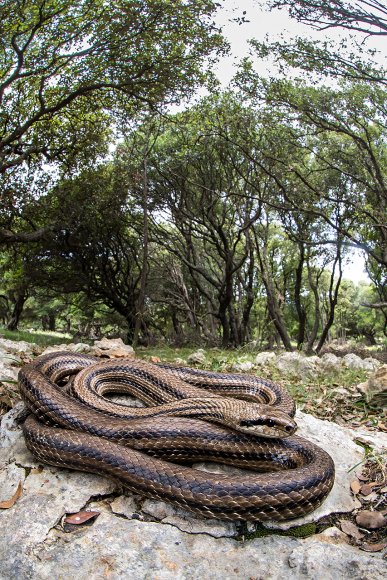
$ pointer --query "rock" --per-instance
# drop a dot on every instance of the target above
(375, 389)
(8, 360)
(352, 361)
(187, 522)
(120, 548)
(19, 347)
(330, 362)
(197, 358)
(8, 373)
(295, 364)
(339, 442)
(79, 347)
(265, 358)
(121, 543)
(334, 535)
(242, 366)
(112, 347)
(125, 505)
(371, 363)
(57, 348)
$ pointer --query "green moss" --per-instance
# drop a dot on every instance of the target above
(303, 531)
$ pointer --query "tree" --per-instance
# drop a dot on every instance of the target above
(365, 16)
(66, 64)
(346, 58)
(197, 183)
(57, 53)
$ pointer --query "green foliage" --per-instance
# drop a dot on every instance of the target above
(63, 60)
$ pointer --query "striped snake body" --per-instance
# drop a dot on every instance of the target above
(148, 449)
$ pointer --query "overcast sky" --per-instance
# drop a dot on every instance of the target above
(274, 24)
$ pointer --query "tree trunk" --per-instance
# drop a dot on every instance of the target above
(20, 300)
(144, 270)
(272, 302)
(333, 296)
(297, 299)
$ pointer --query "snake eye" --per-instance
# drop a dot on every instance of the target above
(270, 423)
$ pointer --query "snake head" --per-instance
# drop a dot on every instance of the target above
(267, 422)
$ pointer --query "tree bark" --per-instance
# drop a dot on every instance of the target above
(20, 300)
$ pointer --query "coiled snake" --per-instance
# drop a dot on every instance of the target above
(147, 449)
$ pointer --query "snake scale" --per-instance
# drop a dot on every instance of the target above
(191, 416)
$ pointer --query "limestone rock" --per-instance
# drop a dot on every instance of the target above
(19, 347)
(119, 548)
(371, 363)
(296, 364)
(243, 366)
(197, 358)
(112, 348)
(330, 362)
(188, 522)
(121, 543)
(8, 373)
(7, 359)
(55, 348)
(375, 389)
(265, 358)
(352, 361)
(80, 347)
(339, 442)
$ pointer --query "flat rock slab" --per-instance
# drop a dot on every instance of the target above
(117, 548)
(135, 537)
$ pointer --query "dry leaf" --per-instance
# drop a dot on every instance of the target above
(80, 517)
(351, 530)
(367, 488)
(371, 520)
(355, 486)
(8, 503)
(373, 547)
(155, 359)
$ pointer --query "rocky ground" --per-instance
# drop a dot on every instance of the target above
(56, 522)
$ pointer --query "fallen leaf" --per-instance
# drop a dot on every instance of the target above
(362, 477)
(80, 517)
(373, 547)
(155, 359)
(351, 530)
(355, 486)
(371, 520)
(367, 488)
(8, 503)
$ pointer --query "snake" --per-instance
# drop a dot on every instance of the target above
(190, 416)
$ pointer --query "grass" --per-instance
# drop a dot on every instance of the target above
(40, 337)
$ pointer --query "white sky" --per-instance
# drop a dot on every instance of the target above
(274, 24)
